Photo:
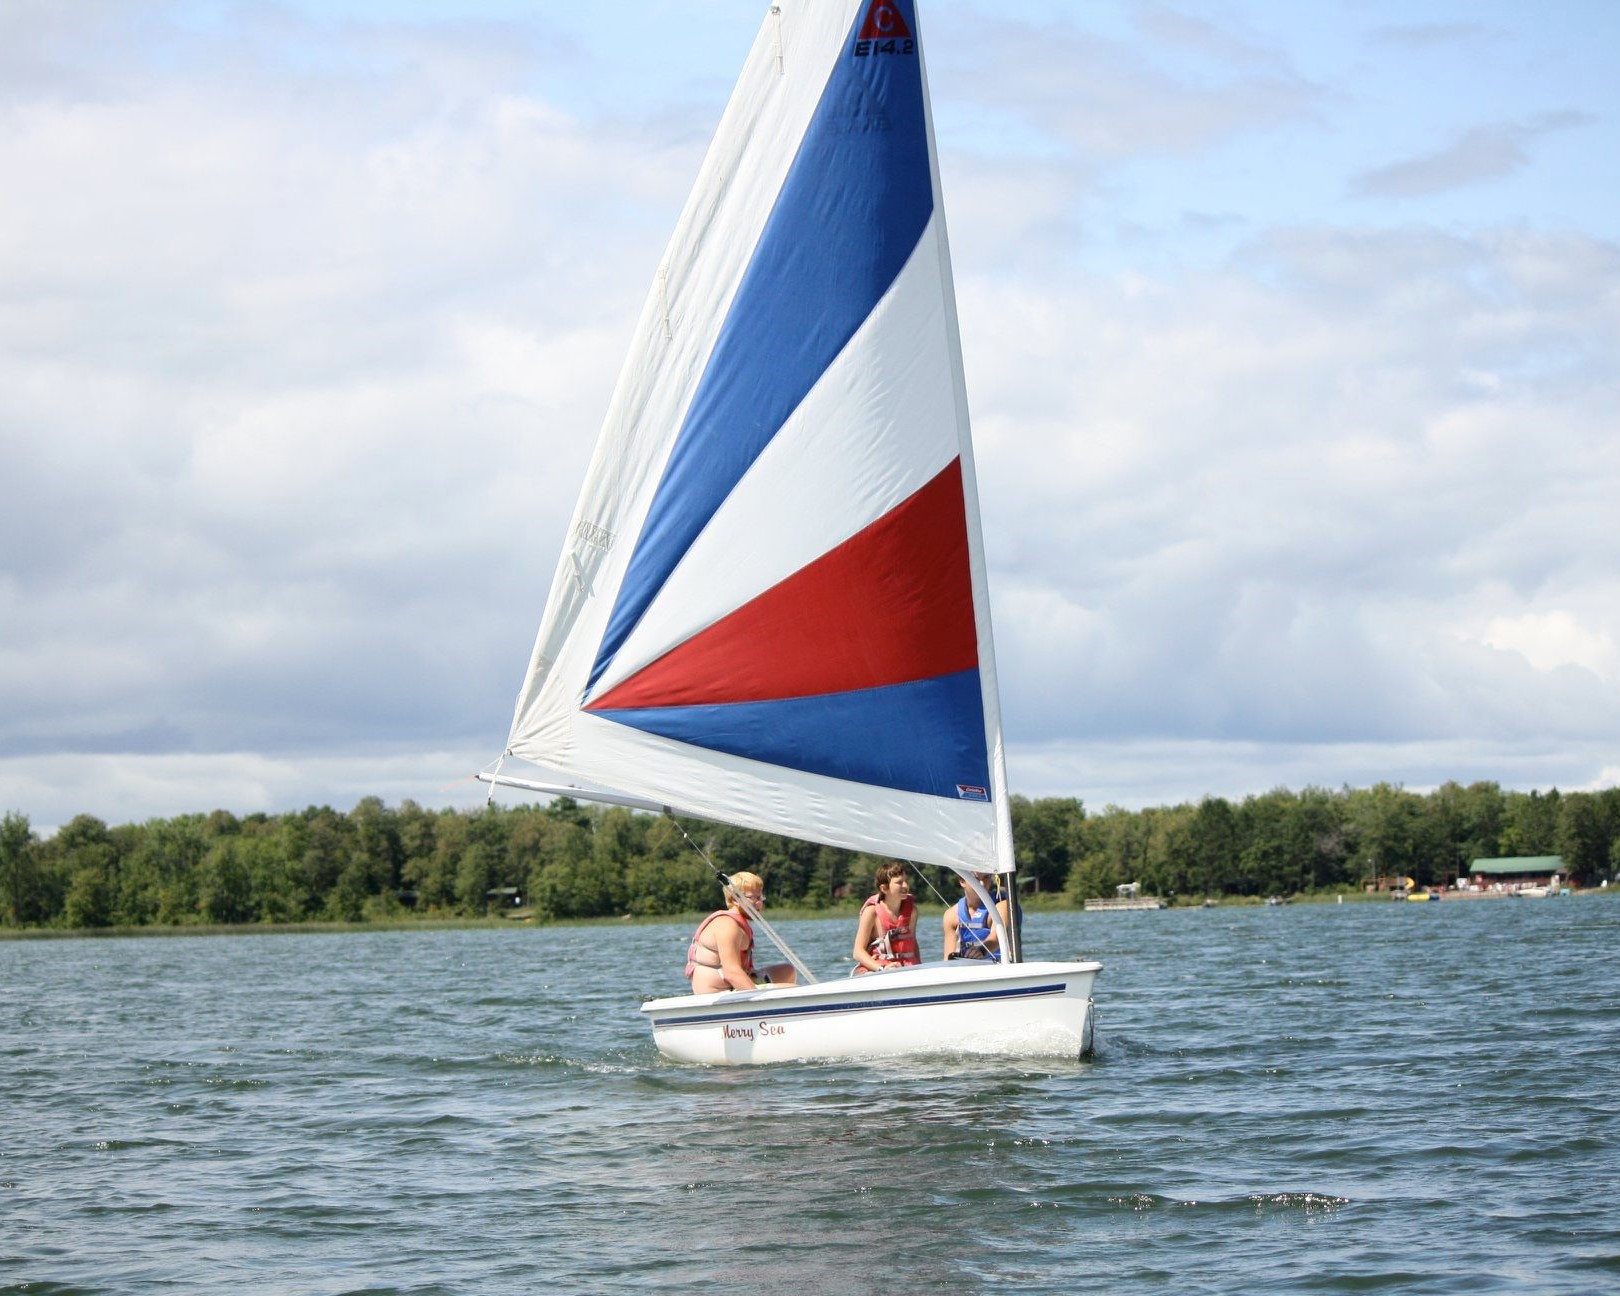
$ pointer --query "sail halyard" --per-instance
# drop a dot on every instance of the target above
(897, 765)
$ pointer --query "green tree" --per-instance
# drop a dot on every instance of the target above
(273, 880)
(1115, 851)
(418, 830)
(1582, 837)
(25, 885)
(484, 862)
(1268, 863)
(1171, 868)
(1046, 839)
(1386, 819)
(665, 874)
(225, 885)
(1531, 824)
(89, 898)
(85, 855)
(367, 861)
(162, 881)
(325, 837)
(433, 877)
(1210, 847)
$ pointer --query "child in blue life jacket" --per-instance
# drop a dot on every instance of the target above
(969, 931)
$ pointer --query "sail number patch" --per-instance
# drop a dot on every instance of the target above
(885, 31)
(863, 48)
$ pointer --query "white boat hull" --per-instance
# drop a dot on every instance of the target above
(1019, 1010)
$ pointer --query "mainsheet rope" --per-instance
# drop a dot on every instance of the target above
(950, 904)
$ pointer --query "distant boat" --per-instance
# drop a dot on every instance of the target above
(772, 610)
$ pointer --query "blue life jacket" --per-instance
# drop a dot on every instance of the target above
(973, 932)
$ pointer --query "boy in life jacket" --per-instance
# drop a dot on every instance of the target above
(969, 932)
(887, 934)
(721, 955)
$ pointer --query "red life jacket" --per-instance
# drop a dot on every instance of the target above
(896, 942)
(697, 947)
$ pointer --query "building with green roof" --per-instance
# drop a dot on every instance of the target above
(1511, 872)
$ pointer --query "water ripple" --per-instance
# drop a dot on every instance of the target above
(1345, 1099)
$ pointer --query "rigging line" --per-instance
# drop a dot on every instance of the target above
(744, 903)
(927, 882)
(490, 799)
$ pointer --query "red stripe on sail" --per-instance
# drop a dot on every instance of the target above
(892, 604)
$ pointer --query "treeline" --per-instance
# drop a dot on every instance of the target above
(568, 860)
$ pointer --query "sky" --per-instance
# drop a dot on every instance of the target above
(1292, 345)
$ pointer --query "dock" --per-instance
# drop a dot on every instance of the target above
(1134, 902)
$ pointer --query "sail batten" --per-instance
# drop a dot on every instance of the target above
(772, 610)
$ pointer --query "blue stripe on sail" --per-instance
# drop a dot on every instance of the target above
(851, 211)
(925, 736)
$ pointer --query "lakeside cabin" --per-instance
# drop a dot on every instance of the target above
(1516, 872)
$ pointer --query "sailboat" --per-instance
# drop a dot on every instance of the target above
(771, 609)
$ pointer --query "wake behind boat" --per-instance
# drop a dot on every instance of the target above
(772, 607)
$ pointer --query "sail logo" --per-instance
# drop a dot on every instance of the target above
(972, 792)
(885, 31)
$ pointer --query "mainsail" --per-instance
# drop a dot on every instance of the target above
(771, 609)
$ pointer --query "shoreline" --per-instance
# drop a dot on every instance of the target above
(1032, 907)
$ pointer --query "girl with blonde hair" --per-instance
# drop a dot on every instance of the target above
(721, 955)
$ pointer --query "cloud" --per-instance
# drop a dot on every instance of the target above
(1479, 156)
(306, 329)
(1259, 501)
(1169, 772)
(1217, 43)
(130, 788)
(1189, 87)
(1553, 640)
(298, 373)
(1428, 35)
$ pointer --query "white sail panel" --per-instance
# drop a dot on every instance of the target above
(753, 148)
(880, 424)
(928, 829)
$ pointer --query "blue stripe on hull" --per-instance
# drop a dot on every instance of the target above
(757, 1012)
(926, 736)
(855, 202)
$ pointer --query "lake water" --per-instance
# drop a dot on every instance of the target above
(1364, 1097)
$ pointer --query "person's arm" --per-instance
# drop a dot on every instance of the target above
(863, 938)
(952, 935)
(1005, 911)
(728, 938)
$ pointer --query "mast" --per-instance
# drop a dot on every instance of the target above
(1006, 863)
